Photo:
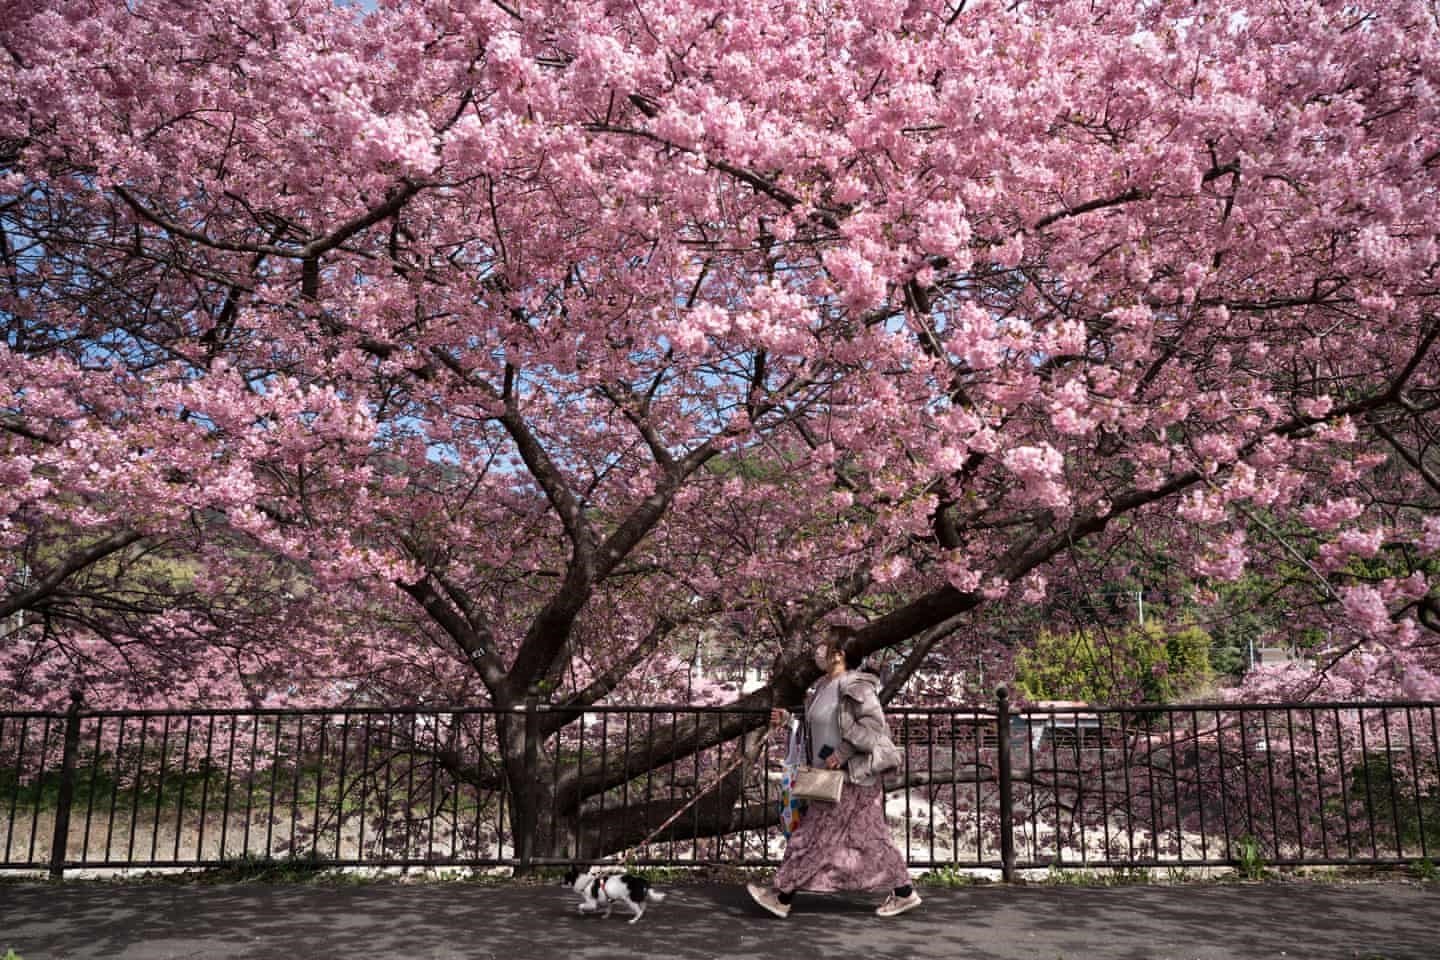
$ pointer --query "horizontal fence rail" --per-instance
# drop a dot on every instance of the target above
(1203, 785)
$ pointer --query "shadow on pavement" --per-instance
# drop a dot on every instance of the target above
(458, 920)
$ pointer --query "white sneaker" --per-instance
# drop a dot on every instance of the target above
(894, 906)
(767, 899)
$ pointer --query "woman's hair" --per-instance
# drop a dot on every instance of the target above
(843, 639)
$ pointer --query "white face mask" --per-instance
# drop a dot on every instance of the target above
(822, 657)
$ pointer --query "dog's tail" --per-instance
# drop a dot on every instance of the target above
(653, 894)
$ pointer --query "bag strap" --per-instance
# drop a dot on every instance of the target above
(797, 746)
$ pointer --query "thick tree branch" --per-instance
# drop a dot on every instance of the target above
(1129, 196)
(477, 644)
(48, 584)
(1428, 475)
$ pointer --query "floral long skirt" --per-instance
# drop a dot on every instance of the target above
(843, 846)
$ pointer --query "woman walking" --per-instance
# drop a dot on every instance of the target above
(844, 845)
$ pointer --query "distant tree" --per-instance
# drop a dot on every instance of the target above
(1157, 663)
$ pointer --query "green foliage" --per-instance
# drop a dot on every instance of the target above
(1243, 613)
(196, 786)
(257, 869)
(1157, 663)
(946, 877)
(1425, 870)
(1392, 799)
(1250, 858)
(1079, 877)
(11, 955)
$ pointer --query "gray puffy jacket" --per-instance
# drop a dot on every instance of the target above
(866, 747)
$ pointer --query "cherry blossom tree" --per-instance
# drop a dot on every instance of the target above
(456, 350)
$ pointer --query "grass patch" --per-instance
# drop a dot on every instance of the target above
(947, 878)
(1124, 876)
(253, 869)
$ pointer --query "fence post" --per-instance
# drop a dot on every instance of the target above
(60, 842)
(530, 788)
(1007, 800)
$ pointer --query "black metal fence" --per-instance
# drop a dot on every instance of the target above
(1208, 785)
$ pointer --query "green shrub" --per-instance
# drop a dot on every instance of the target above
(1249, 858)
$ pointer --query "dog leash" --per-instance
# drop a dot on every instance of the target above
(742, 759)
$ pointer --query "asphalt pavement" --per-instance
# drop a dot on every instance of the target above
(80, 920)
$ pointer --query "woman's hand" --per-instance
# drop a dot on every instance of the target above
(779, 717)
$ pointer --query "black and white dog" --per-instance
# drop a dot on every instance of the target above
(599, 892)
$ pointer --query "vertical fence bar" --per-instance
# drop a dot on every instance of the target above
(39, 791)
(90, 802)
(1032, 817)
(483, 763)
(695, 774)
(553, 779)
(1366, 772)
(1344, 790)
(1224, 789)
(319, 794)
(207, 766)
(115, 787)
(1245, 772)
(605, 777)
(1270, 783)
(1294, 759)
(274, 790)
(457, 722)
(1199, 755)
(979, 802)
(67, 788)
(1419, 792)
(19, 774)
(250, 787)
(931, 795)
(524, 825)
(1175, 786)
(1434, 752)
(184, 774)
(650, 776)
(135, 789)
(1104, 787)
(1152, 793)
(340, 788)
(625, 770)
(160, 788)
(229, 785)
(1390, 774)
(453, 764)
(297, 762)
(908, 822)
(1007, 801)
(5, 852)
(1077, 813)
(364, 810)
(1127, 757)
(579, 765)
(1319, 784)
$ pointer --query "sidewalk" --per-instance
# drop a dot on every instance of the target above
(440, 921)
